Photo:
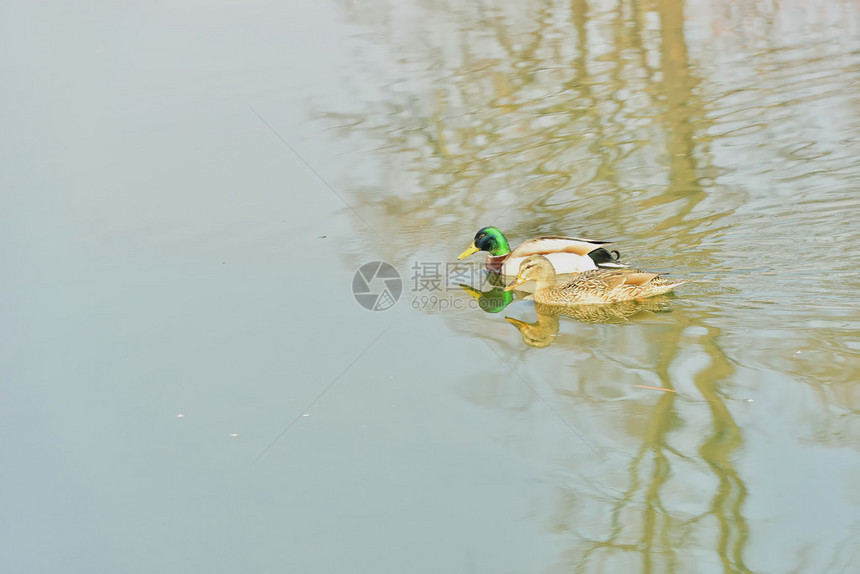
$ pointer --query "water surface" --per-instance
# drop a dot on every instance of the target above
(190, 386)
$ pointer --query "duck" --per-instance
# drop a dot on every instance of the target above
(566, 254)
(594, 287)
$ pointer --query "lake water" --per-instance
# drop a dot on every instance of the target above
(190, 385)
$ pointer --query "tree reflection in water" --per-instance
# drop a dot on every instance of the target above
(581, 118)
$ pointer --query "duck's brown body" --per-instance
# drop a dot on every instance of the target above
(598, 286)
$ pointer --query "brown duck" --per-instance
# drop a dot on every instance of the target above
(594, 287)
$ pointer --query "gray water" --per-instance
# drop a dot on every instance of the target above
(189, 384)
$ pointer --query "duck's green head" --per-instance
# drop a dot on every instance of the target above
(488, 239)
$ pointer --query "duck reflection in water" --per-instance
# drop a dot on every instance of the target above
(491, 301)
(543, 332)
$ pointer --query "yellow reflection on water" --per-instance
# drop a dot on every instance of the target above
(710, 139)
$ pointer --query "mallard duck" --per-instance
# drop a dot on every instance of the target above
(597, 286)
(567, 254)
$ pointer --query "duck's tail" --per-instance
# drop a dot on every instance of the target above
(606, 259)
(662, 285)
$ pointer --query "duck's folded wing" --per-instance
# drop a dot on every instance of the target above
(557, 244)
(639, 277)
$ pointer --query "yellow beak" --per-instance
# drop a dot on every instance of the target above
(516, 322)
(469, 251)
(515, 283)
